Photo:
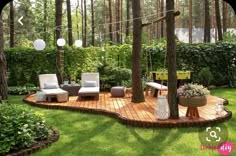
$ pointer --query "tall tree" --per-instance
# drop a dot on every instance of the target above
(85, 25)
(127, 17)
(111, 20)
(105, 20)
(190, 21)
(93, 24)
(12, 25)
(218, 20)
(77, 19)
(171, 57)
(207, 26)
(136, 53)
(45, 18)
(162, 14)
(82, 16)
(58, 4)
(3, 65)
(224, 12)
(69, 23)
(118, 21)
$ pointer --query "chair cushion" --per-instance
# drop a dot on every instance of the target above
(90, 84)
(84, 90)
(50, 85)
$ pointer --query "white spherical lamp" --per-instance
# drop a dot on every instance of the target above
(61, 42)
(39, 44)
(78, 43)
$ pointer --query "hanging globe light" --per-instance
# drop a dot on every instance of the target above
(78, 43)
(39, 44)
(61, 42)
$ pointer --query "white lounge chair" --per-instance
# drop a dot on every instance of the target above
(49, 86)
(90, 85)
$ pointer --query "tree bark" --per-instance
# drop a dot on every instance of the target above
(136, 53)
(82, 16)
(118, 22)
(207, 27)
(45, 15)
(218, 20)
(59, 69)
(171, 57)
(105, 20)
(12, 25)
(3, 65)
(225, 13)
(85, 25)
(162, 22)
(93, 26)
(127, 18)
(111, 20)
(190, 21)
(69, 23)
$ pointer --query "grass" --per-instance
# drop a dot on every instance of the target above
(86, 134)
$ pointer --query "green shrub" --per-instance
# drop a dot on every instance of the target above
(20, 128)
(112, 76)
(22, 90)
(205, 76)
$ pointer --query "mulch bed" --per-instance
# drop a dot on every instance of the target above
(38, 145)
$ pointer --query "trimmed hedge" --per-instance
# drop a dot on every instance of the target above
(24, 64)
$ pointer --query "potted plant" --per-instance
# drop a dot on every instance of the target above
(65, 81)
(192, 95)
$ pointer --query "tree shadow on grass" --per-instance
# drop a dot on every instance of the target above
(164, 138)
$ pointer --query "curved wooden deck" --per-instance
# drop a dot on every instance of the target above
(140, 115)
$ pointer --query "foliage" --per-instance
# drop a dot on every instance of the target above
(24, 64)
(112, 76)
(205, 76)
(20, 128)
(219, 57)
(191, 90)
(22, 90)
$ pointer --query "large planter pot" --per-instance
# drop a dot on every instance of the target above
(196, 101)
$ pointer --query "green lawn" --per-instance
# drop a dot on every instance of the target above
(87, 134)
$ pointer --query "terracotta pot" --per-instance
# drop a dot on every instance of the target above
(196, 101)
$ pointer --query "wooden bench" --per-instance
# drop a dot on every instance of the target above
(154, 86)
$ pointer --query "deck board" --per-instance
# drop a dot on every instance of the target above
(142, 114)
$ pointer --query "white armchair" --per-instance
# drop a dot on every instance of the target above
(49, 86)
(90, 85)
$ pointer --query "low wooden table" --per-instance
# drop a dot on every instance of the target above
(71, 89)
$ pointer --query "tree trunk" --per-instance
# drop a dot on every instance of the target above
(12, 25)
(162, 22)
(127, 18)
(218, 20)
(105, 20)
(77, 20)
(93, 26)
(224, 12)
(111, 20)
(171, 57)
(69, 22)
(190, 22)
(118, 3)
(59, 69)
(3, 65)
(45, 14)
(82, 16)
(85, 25)
(136, 53)
(207, 27)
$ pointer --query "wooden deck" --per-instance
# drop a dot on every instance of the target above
(140, 115)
